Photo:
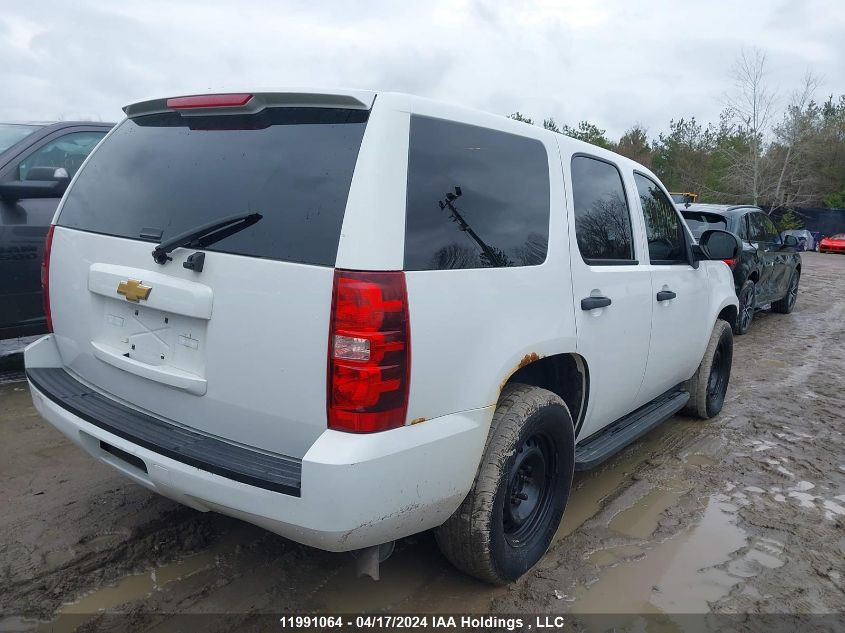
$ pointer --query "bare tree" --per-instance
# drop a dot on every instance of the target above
(793, 133)
(750, 107)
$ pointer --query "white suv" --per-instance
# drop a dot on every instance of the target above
(350, 317)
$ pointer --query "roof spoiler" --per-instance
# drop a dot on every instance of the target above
(249, 103)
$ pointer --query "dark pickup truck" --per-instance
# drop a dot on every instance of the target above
(37, 161)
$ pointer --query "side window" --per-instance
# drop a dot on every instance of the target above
(477, 198)
(67, 151)
(665, 233)
(602, 217)
(758, 228)
(769, 229)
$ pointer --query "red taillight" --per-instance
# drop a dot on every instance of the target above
(45, 277)
(369, 352)
(209, 101)
(730, 262)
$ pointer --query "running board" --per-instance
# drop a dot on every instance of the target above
(609, 441)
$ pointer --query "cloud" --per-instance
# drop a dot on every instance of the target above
(612, 62)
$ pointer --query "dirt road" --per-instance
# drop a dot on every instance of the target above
(742, 514)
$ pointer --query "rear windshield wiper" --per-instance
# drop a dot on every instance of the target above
(205, 235)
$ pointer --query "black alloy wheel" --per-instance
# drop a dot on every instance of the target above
(747, 305)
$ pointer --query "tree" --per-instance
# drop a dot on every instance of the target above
(550, 125)
(790, 150)
(588, 132)
(790, 221)
(683, 158)
(635, 145)
(750, 107)
(518, 116)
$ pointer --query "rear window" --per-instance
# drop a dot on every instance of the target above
(166, 174)
(700, 222)
(13, 133)
(477, 198)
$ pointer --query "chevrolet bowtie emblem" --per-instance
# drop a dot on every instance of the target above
(133, 290)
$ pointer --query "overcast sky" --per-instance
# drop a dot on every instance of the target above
(614, 62)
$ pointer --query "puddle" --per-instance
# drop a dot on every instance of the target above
(128, 589)
(677, 576)
(767, 553)
(699, 460)
(592, 487)
(415, 579)
(612, 555)
(640, 520)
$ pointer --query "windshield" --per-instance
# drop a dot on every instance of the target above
(11, 133)
(700, 222)
(164, 174)
(838, 236)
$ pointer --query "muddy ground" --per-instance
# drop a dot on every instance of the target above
(742, 514)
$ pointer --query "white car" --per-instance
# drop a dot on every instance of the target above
(349, 317)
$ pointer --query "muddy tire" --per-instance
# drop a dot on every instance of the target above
(709, 384)
(747, 302)
(787, 303)
(505, 524)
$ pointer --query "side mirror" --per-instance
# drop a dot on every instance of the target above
(718, 244)
(41, 182)
(790, 241)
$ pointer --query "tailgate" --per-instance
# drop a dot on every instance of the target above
(237, 350)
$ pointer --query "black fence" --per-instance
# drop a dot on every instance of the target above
(825, 221)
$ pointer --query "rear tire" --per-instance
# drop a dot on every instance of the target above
(505, 524)
(747, 302)
(787, 303)
(708, 386)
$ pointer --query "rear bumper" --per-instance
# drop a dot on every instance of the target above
(354, 490)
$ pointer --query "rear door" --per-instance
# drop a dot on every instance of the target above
(237, 350)
(763, 236)
(612, 289)
(681, 315)
(779, 256)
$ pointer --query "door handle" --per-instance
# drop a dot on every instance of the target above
(591, 303)
(665, 295)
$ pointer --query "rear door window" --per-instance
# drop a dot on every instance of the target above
(165, 174)
(665, 233)
(477, 198)
(742, 227)
(761, 228)
(68, 152)
(602, 216)
(769, 229)
(700, 222)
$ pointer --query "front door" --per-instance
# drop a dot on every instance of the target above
(612, 289)
(23, 228)
(681, 316)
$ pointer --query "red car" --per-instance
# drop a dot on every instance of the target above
(833, 244)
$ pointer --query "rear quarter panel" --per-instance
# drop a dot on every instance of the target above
(470, 329)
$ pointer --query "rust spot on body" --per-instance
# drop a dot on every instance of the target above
(526, 360)
(417, 420)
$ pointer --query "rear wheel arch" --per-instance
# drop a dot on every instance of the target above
(565, 374)
(729, 313)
